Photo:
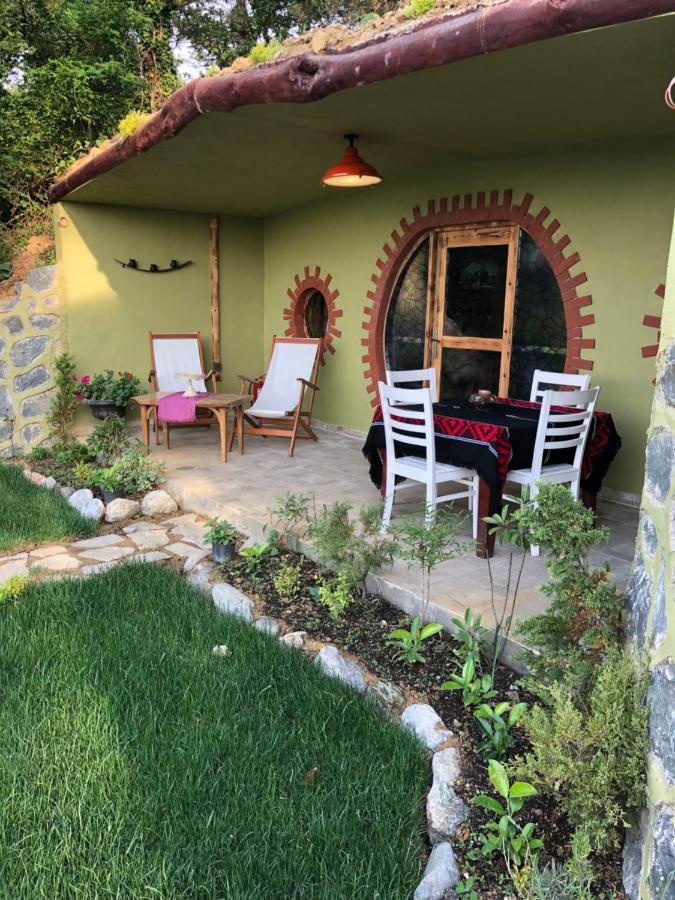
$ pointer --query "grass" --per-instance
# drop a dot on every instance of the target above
(32, 515)
(135, 763)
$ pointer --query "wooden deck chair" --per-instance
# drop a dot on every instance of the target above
(277, 410)
(171, 353)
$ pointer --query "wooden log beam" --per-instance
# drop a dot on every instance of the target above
(307, 77)
(215, 293)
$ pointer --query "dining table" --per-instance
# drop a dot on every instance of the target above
(491, 440)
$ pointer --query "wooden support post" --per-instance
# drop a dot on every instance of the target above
(215, 295)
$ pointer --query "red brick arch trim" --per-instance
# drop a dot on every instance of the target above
(469, 211)
(303, 288)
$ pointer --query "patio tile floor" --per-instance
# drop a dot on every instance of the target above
(246, 487)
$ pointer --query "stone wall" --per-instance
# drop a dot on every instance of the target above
(649, 857)
(30, 335)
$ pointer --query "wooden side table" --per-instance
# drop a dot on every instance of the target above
(218, 404)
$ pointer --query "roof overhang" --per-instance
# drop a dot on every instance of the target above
(435, 92)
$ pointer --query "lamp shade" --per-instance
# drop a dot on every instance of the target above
(351, 171)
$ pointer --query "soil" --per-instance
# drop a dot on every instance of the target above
(361, 631)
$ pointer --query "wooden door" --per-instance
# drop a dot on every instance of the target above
(470, 309)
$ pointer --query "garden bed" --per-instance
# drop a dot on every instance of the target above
(362, 630)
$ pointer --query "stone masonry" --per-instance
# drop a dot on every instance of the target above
(649, 854)
(30, 335)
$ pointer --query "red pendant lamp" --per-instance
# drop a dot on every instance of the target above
(351, 171)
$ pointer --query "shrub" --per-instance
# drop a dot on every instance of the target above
(219, 531)
(351, 547)
(265, 52)
(64, 405)
(335, 595)
(253, 558)
(137, 473)
(13, 588)
(584, 619)
(290, 514)
(131, 122)
(287, 581)
(592, 755)
(109, 439)
(571, 881)
(417, 8)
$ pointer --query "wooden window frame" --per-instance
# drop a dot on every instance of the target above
(436, 341)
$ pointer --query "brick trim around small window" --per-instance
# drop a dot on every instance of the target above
(469, 211)
(305, 285)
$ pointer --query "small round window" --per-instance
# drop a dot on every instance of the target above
(316, 315)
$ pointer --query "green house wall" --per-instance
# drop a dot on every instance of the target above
(614, 203)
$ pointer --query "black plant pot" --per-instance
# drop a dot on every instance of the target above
(222, 553)
(101, 409)
(109, 496)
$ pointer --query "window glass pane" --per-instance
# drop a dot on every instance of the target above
(474, 291)
(316, 315)
(539, 331)
(406, 317)
(463, 372)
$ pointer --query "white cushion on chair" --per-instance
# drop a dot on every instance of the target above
(173, 355)
(280, 390)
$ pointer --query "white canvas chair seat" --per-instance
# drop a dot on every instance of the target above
(564, 424)
(416, 427)
(292, 371)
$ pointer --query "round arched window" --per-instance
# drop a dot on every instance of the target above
(315, 314)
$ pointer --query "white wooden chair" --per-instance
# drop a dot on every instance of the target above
(543, 381)
(413, 376)
(416, 428)
(277, 410)
(559, 430)
(171, 353)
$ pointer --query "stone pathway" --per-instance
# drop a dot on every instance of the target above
(143, 540)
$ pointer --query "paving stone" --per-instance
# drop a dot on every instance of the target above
(142, 526)
(228, 599)
(149, 539)
(52, 550)
(426, 723)
(96, 569)
(294, 639)
(181, 549)
(183, 519)
(157, 503)
(445, 810)
(61, 563)
(121, 509)
(10, 569)
(153, 556)
(440, 875)
(336, 665)
(103, 540)
(267, 625)
(107, 554)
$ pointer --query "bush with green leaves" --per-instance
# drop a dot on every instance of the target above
(335, 594)
(467, 636)
(592, 753)
(253, 558)
(13, 588)
(504, 834)
(475, 688)
(287, 581)
(219, 531)
(136, 473)
(109, 439)
(496, 723)
(351, 547)
(64, 405)
(290, 515)
(408, 643)
(584, 619)
(571, 880)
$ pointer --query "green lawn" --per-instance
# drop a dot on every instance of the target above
(33, 515)
(135, 763)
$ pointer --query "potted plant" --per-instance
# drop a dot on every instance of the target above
(110, 482)
(108, 394)
(222, 536)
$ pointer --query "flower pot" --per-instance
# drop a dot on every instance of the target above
(222, 553)
(109, 496)
(101, 409)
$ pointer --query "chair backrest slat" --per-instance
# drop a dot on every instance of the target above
(414, 377)
(403, 426)
(563, 429)
(543, 381)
